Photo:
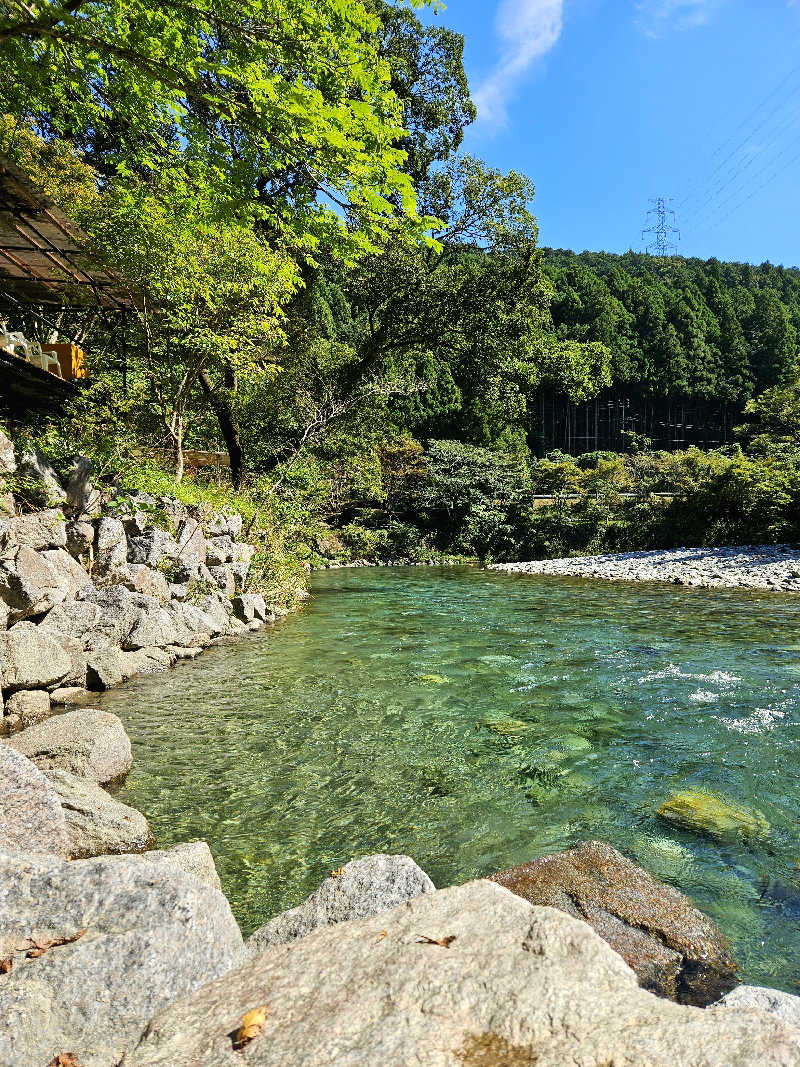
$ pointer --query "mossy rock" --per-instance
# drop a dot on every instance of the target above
(572, 743)
(505, 727)
(432, 679)
(707, 813)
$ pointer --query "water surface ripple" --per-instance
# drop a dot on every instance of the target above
(476, 720)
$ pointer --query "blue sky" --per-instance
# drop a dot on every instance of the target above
(605, 103)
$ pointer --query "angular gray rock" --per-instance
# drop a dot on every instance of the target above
(8, 458)
(29, 706)
(80, 538)
(191, 541)
(144, 939)
(152, 547)
(107, 668)
(87, 742)
(224, 523)
(150, 625)
(82, 497)
(217, 611)
(83, 621)
(67, 573)
(192, 858)
(38, 529)
(30, 659)
(96, 823)
(143, 579)
(249, 606)
(31, 818)
(782, 1005)
(71, 694)
(223, 579)
(27, 584)
(469, 975)
(110, 550)
(38, 482)
(363, 887)
(219, 550)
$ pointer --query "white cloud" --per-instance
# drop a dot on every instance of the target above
(526, 30)
(656, 17)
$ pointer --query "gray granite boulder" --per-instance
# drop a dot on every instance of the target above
(28, 706)
(153, 547)
(30, 659)
(783, 1006)
(28, 585)
(223, 578)
(470, 975)
(110, 549)
(80, 538)
(127, 938)
(38, 484)
(151, 625)
(83, 499)
(191, 541)
(38, 529)
(87, 742)
(362, 888)
(31, 818)
(190, 858)
(219, 550)
(249, 606)
(143, 579)
(224, 524)
(71, 694)
(84, 622)
(68, 574)
(96, 823)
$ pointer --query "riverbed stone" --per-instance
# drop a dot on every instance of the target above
(675, 950)
(784, 1006)
(86, 742)
(145, 939)
(29, 706)
(30, 659)
(96, 823)
(363, 887)
(468, 975)
(31, 818)
(713, 815)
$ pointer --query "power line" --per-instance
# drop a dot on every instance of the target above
(662, 231)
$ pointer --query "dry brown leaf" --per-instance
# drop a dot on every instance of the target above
(381, 936)
(444, 942)
(6, 965)
(40, 947)
(64, 1059)
(251, 1026)
(337, 873)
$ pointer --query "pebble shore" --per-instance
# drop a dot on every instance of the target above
(773, 567)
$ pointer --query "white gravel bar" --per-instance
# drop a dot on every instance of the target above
(775, 567)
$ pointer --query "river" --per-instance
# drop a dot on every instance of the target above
(476, 720)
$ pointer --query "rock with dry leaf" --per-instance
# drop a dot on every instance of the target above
(146, 937)
(516, 984)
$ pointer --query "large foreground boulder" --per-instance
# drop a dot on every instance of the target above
(470, 975)
(676, 950)
(86, 742)
(31, 818)
(96, 823)
(192, 859)
(361, 888)
(111, 944)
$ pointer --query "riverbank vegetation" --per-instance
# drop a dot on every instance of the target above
(332, 293)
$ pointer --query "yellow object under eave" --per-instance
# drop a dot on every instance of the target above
(71, 358)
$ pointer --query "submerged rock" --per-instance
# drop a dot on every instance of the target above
(31, 819)
(707, 813)
(675, 950)
(121, 941)
(361, 888)
(86, 742)
(466, 976)
(96, 823)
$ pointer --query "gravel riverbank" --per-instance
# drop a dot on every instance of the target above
(774, 567)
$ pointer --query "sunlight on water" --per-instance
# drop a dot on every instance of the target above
(477, 720)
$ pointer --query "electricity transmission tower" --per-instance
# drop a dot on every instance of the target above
(662, 231)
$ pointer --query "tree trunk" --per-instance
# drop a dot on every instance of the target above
(177, 448)
(223, 409)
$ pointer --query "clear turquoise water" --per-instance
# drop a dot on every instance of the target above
(376, 720)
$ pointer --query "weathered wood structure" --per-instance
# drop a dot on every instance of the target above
(48, 280)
